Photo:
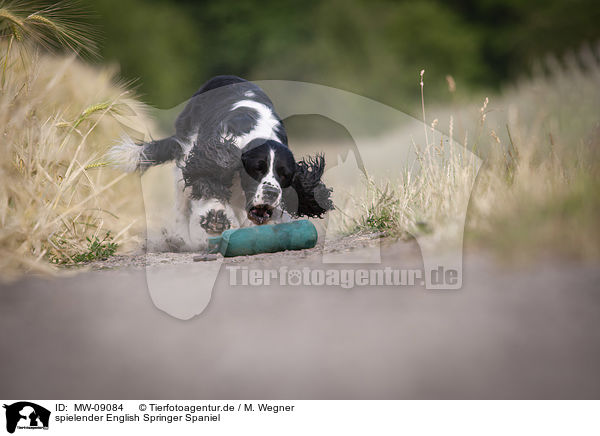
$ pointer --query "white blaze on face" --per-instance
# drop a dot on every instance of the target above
(268, 191)
(266, 125)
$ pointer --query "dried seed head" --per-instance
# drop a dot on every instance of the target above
(483, 108)
(451, 83)
(493, 135)
(485, 103)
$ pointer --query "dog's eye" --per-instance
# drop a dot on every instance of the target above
(261, 166)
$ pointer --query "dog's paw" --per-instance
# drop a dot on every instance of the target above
(215, 221)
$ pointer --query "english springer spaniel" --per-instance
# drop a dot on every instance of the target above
(233, 165)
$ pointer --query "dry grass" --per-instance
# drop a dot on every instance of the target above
(538, 189)
(58, 117)
(538, 193)
(51, 26)
(431, 195)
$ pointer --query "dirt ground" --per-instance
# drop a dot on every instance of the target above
(510, 332)
(339, 245)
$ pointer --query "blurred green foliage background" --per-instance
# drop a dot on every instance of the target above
(374, 48)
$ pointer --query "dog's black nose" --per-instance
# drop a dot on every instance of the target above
(270, 192)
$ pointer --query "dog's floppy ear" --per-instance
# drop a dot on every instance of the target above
(210, 169)
(309, 197)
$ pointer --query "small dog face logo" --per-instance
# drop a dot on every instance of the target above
(24, 414)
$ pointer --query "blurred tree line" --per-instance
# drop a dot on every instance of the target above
(374, 48)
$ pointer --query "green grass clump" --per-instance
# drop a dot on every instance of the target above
(97, 249)
(381, 211)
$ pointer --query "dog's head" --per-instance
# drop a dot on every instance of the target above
(271, 178)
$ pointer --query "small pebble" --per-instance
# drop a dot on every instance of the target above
(205, 257)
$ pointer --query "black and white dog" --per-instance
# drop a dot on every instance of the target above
(233, 165)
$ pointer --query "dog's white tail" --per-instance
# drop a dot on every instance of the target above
(126, 155)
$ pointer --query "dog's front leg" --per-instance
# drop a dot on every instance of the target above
(177, 237)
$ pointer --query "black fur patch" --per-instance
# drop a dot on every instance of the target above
(240, 121)
(309, 197)
(159, 151)
(210, 169)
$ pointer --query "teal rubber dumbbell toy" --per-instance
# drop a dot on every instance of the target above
(296, 235)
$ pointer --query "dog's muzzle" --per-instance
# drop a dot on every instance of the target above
(265, 201)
